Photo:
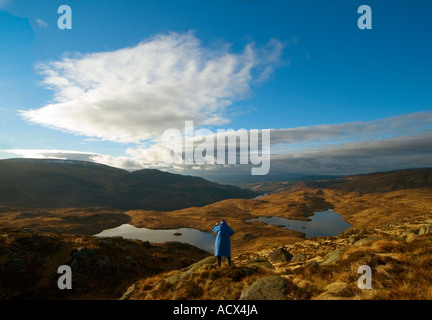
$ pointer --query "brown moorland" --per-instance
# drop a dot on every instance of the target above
(391, 232)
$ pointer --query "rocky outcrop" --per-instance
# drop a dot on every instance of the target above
(185, 272)
(280, 255)
(266, 288)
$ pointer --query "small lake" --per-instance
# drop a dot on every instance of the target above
(197, 238)
(326, 223)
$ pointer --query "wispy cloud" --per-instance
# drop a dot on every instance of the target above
(42, 23)
(136, 93)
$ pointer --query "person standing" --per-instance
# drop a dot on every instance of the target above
(222, 247)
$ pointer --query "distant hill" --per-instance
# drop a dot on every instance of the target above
(68, 183)
(375, 182)
(277, 186)
(364, 183)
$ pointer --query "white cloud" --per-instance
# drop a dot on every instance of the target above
(136, 93)
(42, 23)
(51, 154)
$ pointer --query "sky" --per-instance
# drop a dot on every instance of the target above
(337, 99)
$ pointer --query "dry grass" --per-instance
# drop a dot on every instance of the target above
(386, 225)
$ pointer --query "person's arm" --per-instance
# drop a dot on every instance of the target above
(216, 228)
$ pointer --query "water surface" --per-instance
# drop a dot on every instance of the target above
(197, 238)
(326, 223)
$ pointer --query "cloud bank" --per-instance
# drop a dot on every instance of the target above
(349, 148)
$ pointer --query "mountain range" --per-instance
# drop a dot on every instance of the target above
(53, 183)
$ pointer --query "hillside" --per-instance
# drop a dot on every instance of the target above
(364, 183)
(103, 268)
(378, 182)
(323, 268)
(65, 183)
(391, 232)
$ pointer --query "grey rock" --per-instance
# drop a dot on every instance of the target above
(298, 257)
(266, 288)
(260, 263)
(336, 291)
(280, 255)
(332, 257)
(425, 229)
(185, 272)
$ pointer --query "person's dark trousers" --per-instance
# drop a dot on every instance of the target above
(219, 260)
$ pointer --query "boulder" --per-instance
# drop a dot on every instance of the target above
(185, 272)
(332, 257)
(260, 263)
(280, 255)
(298, 257)
(425, 229)
(266, 288)
(336, 291)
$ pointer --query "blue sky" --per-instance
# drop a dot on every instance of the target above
(338, 99)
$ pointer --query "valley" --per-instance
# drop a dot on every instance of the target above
(390, 214)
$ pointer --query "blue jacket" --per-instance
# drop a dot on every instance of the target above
(223, 244)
